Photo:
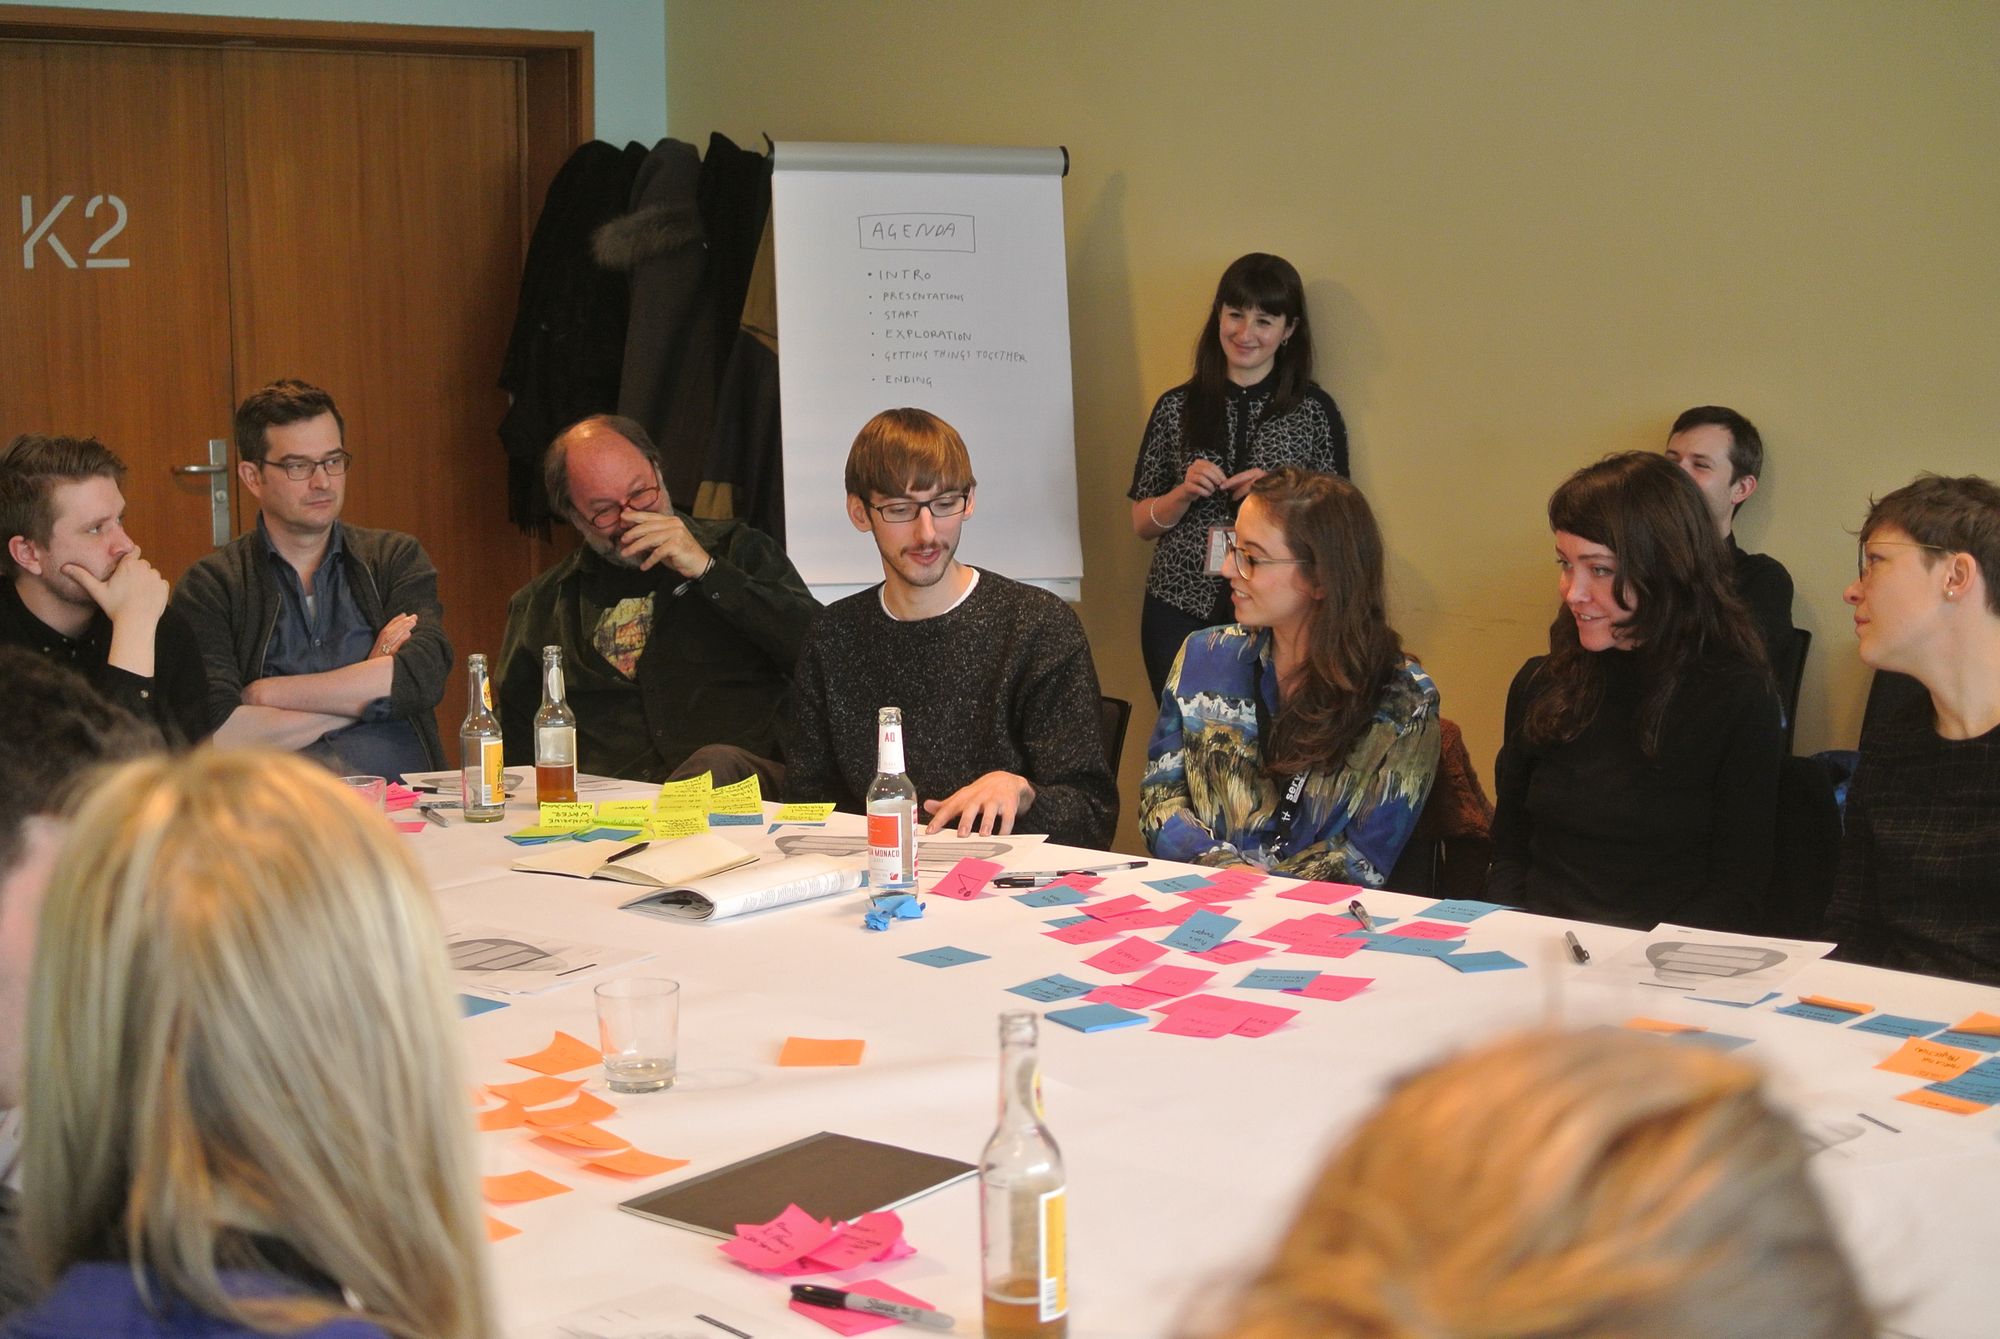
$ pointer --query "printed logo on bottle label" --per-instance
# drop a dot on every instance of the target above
(1054, 1280)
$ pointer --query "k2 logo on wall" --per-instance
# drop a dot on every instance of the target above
(38, 232)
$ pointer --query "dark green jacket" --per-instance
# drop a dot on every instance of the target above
(717, 668)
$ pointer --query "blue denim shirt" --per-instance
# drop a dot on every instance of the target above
(332, 634)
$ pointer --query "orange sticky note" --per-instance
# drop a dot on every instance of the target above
(1957, 1106)
(818, 1051)
(1829, 1002)
(1928, 1060)
(633, 1162)
(560, 1056)
(588, 1136)
(503, 1117)
(1661, 1025)
(518, 1187)
(535, 1092)
(1980, 1024)
(587, 1107)
(499, 1231)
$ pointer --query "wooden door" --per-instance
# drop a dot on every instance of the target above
(114, 302)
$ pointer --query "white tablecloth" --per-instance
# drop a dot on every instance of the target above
(1185, 1157)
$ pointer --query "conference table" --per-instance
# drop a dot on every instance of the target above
(1186, 1156)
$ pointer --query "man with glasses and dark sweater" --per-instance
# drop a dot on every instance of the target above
(994, 678)
(319, 636)
(678, 634)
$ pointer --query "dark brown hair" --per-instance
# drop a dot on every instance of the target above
(903, 449)
(1959, 515)
(59, 729)
(1673, 574)
(1267, 284)
(1350, 650)
(30, 468)
(287, 400)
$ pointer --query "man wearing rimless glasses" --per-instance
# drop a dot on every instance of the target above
(994, 678)
(678, 633)
(318, 635)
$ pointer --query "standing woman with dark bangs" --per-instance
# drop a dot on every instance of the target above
(1638, 781)
(1299, 739)
(1250, 407)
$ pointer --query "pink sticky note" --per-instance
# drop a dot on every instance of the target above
(1127, 955)
(1428, 930)
(1206, 1016)
(1144, 919)
(398, 796)
(409, 825)
(1261, 1020)
(1085, 931)
(778, 1243)
(1117, 906)
(1082, 883)
(860, 1322)
(1327, 986)
(1234, 950)
(1173, 980)
(868, 1237)
(1126, 997)
(967, 879)
(1179, 912)
(1322, 892)
(1336, 947)
(1237, 877)
(1203, 897)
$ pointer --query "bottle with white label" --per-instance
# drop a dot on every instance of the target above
(480, 768)
(555, 734)
(1024, 1228)
(892, 811)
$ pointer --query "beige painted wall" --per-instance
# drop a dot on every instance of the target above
(1531, 231)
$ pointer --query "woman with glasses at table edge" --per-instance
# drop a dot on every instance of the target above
(1299, 739)
(1250, 406)
(1639, 774)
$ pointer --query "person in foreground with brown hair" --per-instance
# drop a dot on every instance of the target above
(1589, 1185)
(245, 1114)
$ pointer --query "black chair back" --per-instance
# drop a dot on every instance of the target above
(1808, 850)
(1789, 676)
(1114, 715)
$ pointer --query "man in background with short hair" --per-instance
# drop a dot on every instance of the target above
(320, 636)
(1723, 453)
(77, 591)
(58, 729)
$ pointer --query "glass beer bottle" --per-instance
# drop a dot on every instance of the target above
(482, 774)
(892, 811)
(1024, 1230)
(555, 734)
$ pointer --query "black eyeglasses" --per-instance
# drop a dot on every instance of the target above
(1250, 562)
(606, 516)
(299, 471)
(902, 510)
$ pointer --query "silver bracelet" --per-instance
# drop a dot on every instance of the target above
(1155, 516)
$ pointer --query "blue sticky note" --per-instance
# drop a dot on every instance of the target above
(734, 820)
(1481, 962)
(1818, 1013)
(519, 840)
(1051, 897)
(1741, 1004)
(1971, 1041)
(1061, 921)
(1979, 1084)
(1278, 978)
(607, 834)
(1095, 1017)
(1185, 883)
(1410, 946)
(1895, 1025)
(471, 1006)
(945, 957)
(1049, 989)
(1201, 932)
(1720, 1041)
(1463, 910)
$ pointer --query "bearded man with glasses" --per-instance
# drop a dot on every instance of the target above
(678, 633)
(319, 636)
(994, 678)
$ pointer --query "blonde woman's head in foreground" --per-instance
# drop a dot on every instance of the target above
(243, 1054)
(1593, 1185)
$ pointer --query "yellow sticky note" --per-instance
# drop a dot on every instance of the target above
(567, 815)
(535, 830)
(671, 823)
(499, 1231)
(624, 813)
(815, 812)
(689, 794)
(587, 1135)
(560, 1056)
(520, 1186)
(535, 1092)
(1929, 1060)
(1979, 1025)
(1662, 1025)
(503, 1117)
(586, 1107)
(738, 797)
(633, 1162)
(1845, 1006)
(820, 1051)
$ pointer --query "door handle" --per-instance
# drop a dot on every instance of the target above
(217, 470)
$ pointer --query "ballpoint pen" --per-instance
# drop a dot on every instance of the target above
(1360, 914)
(1035, 878)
